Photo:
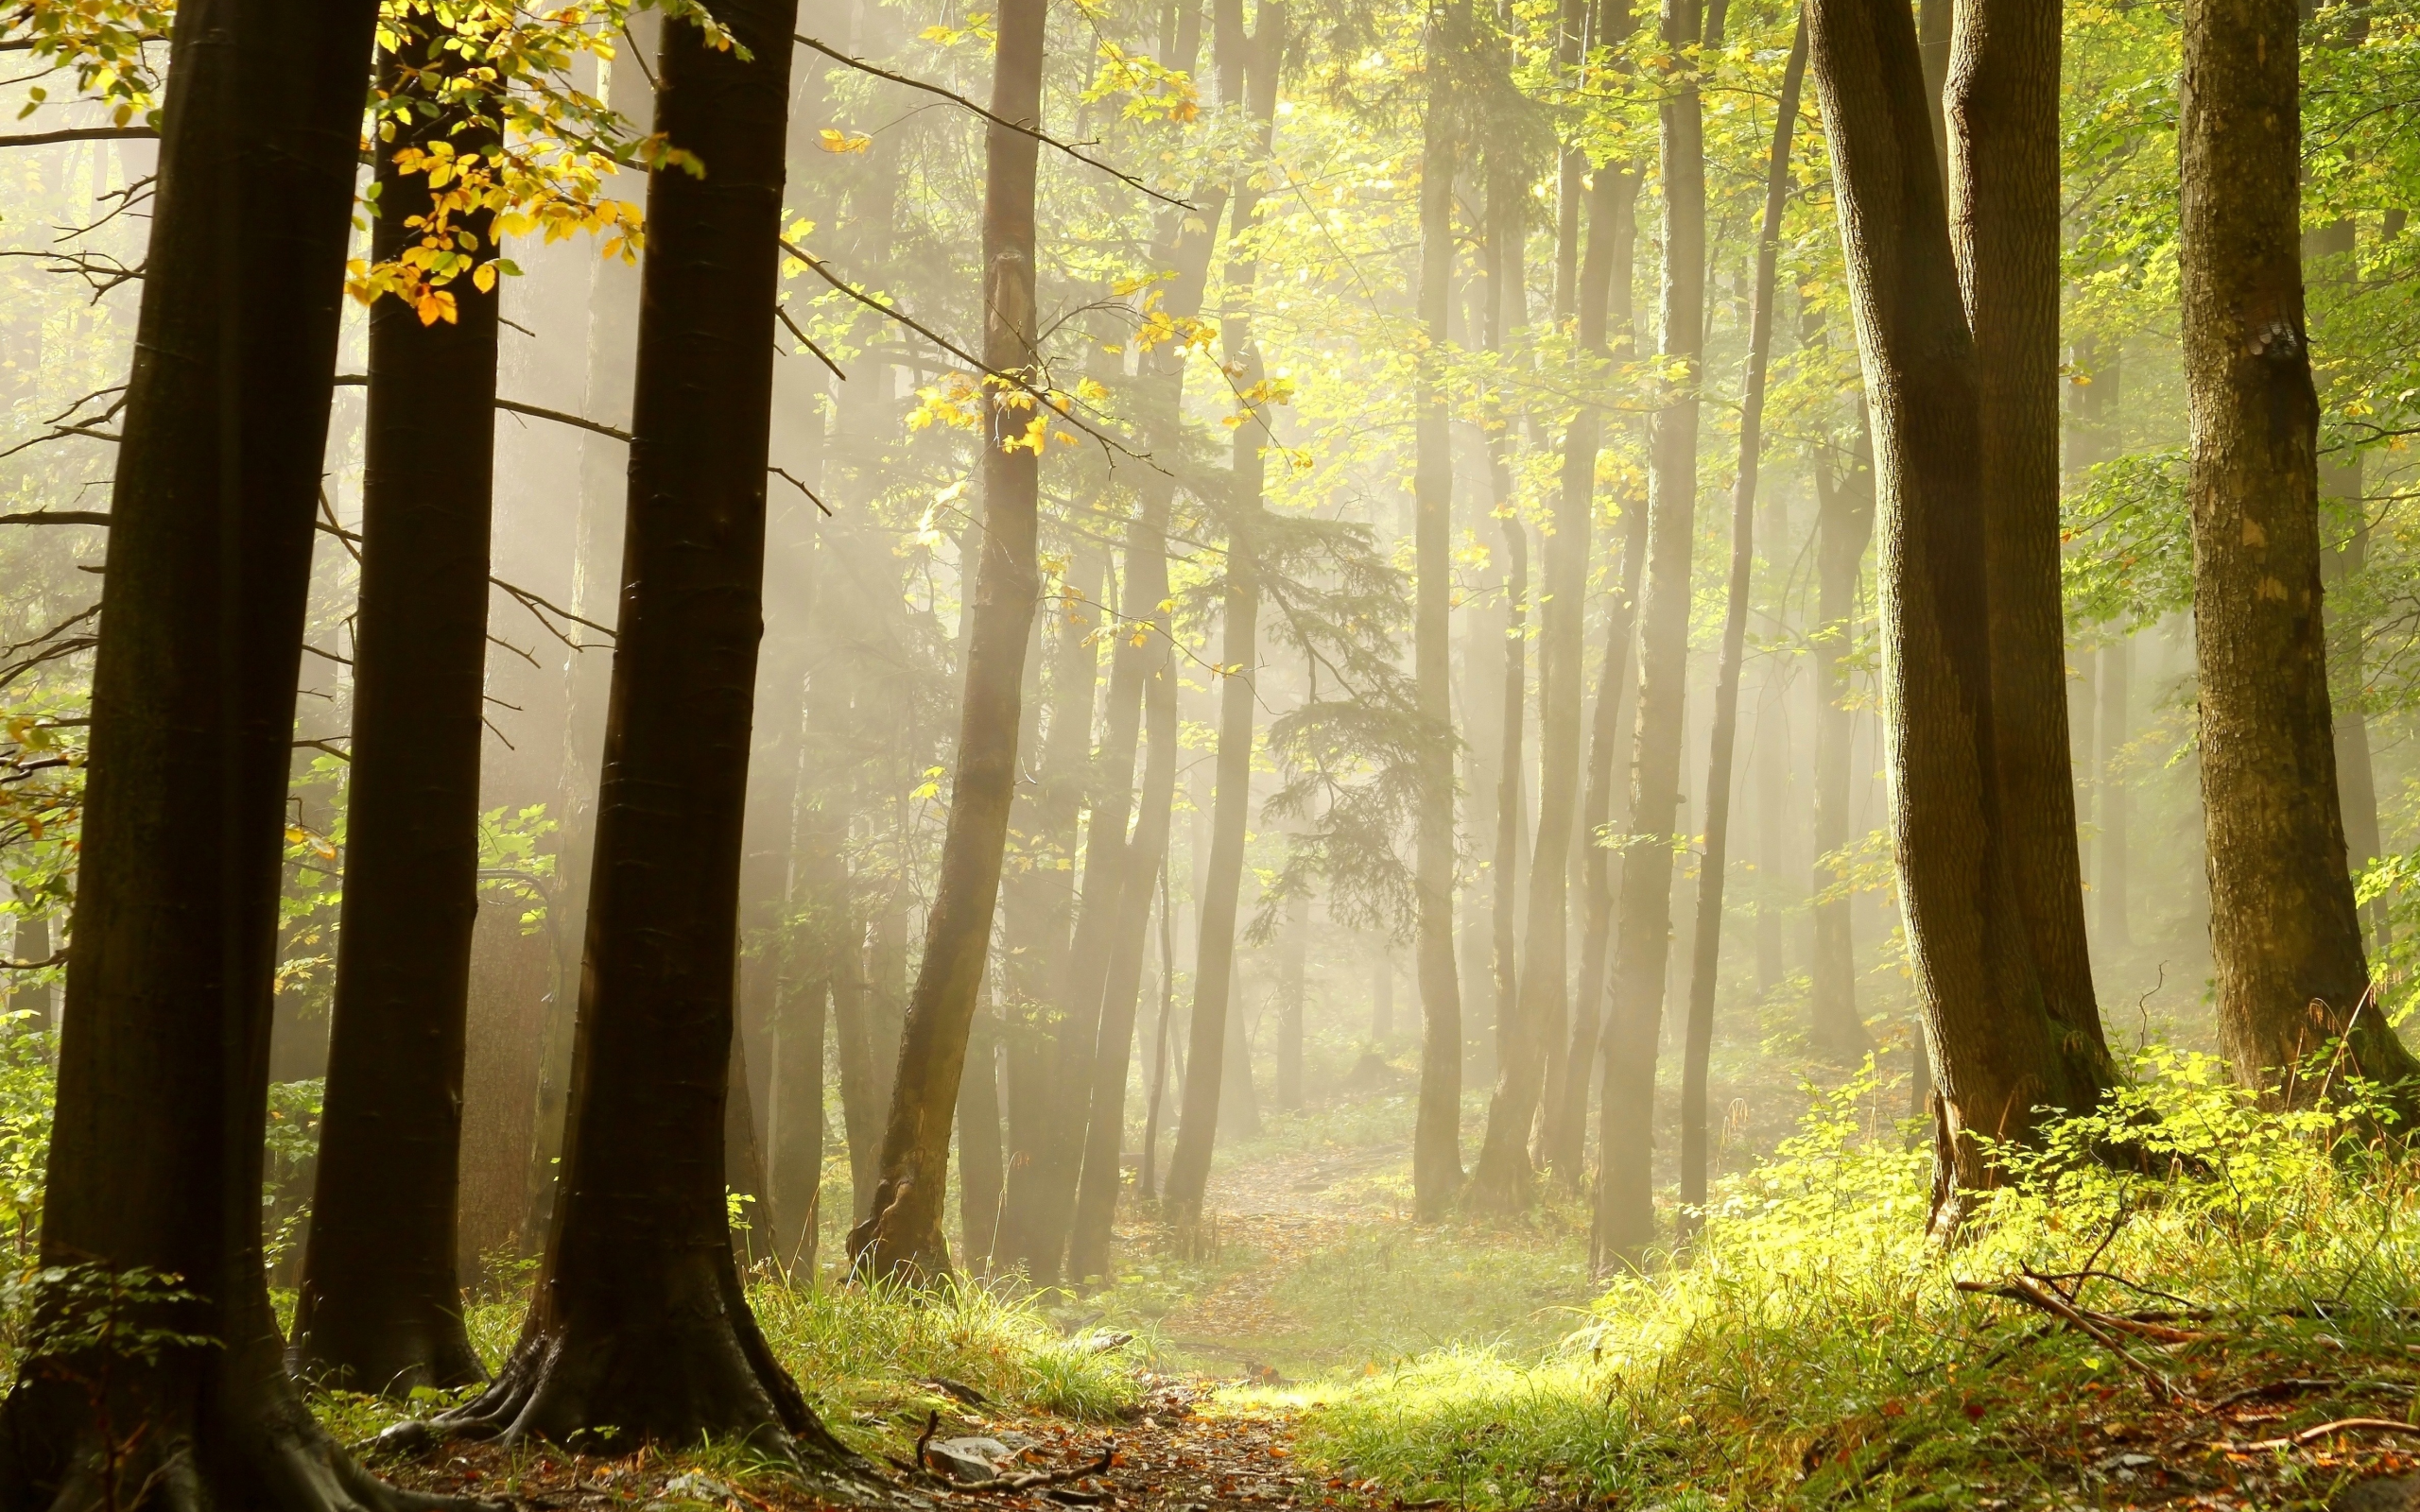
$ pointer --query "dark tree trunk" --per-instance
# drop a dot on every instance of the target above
(903, 1236)
(2002, 105)
(1436, 1149)
(2283, 928)
(380, 1308)
(1997, 1053)
(865, 1099)
(1843, 529)
(155, 1158)
(1706, 941)
(1625, 1216)
(512, 975)
(794, 1124)
(639, 1327)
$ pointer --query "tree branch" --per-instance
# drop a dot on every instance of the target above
(80, 133)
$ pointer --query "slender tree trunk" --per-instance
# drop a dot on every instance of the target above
(2283, 928)
(1511, 806)
(1625, 1216)
(1146, 1184)
(1843, 529)
(2356, 775)
(904, 1234)
(980, 1173)
(1706, 942)
(1998, 1056)
(155, 1161)
(1290, 1007)
(2117, 675)
(795, 1140)
(1146, 858)
(2002, 105)
(380, 1306)
(1041, 1189)
(1436, 1153)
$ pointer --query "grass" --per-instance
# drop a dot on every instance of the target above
(1815, 1349)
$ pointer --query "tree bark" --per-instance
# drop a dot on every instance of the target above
(1706, 942)
(2283, 930)
(2002, 106)
(1843, 530)
(639, 1327)
(380, 1308)
(1998, 1054)
(1625, 1216)
(1146, 1185)
(904, 1234)
(155, 1163)
(1436, 1154)
(980, 1172)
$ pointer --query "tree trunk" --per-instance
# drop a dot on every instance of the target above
(1041, 1189)
(2117, 675)
(1625, 1216)
(639, 1327)
(512, 975)
(155, 1161)
(2283, 930)
(1706, 941)
(1997, 1053)
(2357, 778)
(2002, 104)
(864, 1101)
(1843, 529)
(979, 1168)
(1290, 1007)
(1215, 953)
(1436, 1149)
(904, 1234)
(380, 1307)
(794, 1124)
(1146, 1185)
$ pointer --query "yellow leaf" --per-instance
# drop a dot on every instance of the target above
(833, 140)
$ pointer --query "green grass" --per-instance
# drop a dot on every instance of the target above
(1814, 1349)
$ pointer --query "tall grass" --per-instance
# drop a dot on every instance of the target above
(1813, 1343)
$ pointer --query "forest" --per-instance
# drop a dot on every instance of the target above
(1208, 755)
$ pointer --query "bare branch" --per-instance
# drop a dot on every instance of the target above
(80, 133)
(785, 316)
(1001, 121)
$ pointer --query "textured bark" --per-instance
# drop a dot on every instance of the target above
(1436, 1147)
(2002, 104)
(155, 1161)
(2284, 933)
(903, 1236)
(1998, 1056)
(379, 1308)
(1625, 1215)
(639, 1327)
(1843, 530)
(1706, 942)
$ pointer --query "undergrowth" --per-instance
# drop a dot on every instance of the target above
(1812, 1348)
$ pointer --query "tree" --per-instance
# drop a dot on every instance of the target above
(380, 1306)
(1212, 1038)
(1436, 1143)
(1707, 939)
(638, 1324)
(1843, 530)
(152, 1218)
(1998, 1056)
(1625, 1217)
(902, 1235)
(2283, 928)
(2001, 103)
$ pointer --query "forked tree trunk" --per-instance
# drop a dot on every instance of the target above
(1436, 1147)
(903, 1236)
(2002, 107)
(380, 1307)
(2282, 929)
(155, 1158)
(1706, 942)
(1997, 1053)
(1625, 1215)
(1843, 530)
(639, 1328)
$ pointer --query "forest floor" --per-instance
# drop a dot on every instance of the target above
(1318, 1350)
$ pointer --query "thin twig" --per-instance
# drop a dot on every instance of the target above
(1022, 130)
(785, 316)
(80, 133)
